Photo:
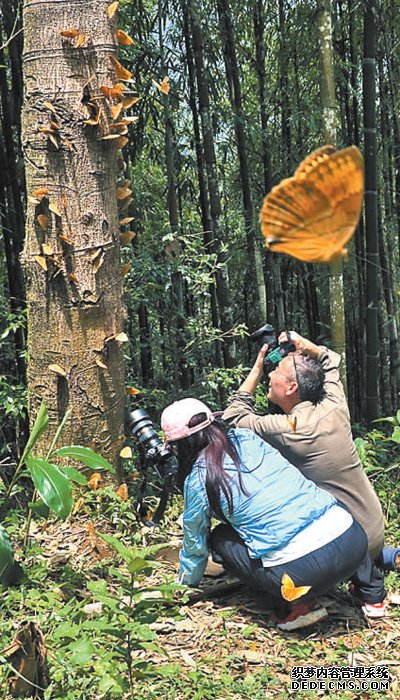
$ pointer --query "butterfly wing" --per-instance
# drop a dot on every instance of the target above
(291, 592)
(312, 215)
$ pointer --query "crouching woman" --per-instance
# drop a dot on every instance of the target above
(279, 532)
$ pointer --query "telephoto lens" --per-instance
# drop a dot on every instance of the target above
(141, 427)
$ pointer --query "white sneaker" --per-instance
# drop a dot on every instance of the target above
(374, 610)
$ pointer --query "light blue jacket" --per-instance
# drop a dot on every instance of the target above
(280, 503)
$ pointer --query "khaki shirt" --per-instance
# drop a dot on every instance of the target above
(317, 439)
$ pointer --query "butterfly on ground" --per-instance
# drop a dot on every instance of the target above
(312, 215)
(290, 591)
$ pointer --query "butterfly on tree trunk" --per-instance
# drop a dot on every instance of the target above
(312, 215)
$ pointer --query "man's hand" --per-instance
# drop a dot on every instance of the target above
(303, 345)
(256, 372)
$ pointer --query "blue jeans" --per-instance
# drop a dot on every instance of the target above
(334, 562)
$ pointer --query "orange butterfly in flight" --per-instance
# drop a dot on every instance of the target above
(313, 214)
(290, 591)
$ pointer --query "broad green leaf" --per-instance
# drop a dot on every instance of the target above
(6, 555)
(82, 651)
(395, 436)
(39, 508)
(398, 417)
(39, 426)
(360, 447)
(52, 485)
(85, 455)
(73, 474)
(139, 564)
(124, 551)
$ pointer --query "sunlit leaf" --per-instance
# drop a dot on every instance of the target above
(132, 391)
(74, 475)
(57, 369)
(52, 485)
(69, 33)
(41, 261)
(43, 221)
(39, 426)
(126, 220)
(120, 72)
(85, 455)
(124, 38)
(111, 9)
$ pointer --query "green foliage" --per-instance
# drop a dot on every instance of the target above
(52, 483)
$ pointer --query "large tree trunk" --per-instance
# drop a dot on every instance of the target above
(71, 254)
(254, 276)
(328, 101)
(222, 276)
(204, 200)
(371, 218)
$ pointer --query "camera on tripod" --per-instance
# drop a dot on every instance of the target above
(157, 456)
(276, 350)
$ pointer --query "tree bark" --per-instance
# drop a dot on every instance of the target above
(71, 256)
(371, 220)
(223, 292)
(328, 102)
(255, 283)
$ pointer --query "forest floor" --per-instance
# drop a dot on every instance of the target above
(217, 642)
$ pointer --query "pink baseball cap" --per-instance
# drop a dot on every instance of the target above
(176, 417)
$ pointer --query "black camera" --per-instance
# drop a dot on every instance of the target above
(276, 350)
(153, 454)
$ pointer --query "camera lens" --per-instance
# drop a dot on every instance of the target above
(141, 427)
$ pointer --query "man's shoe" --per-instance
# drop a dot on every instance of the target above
(374, 610)
(303, 615)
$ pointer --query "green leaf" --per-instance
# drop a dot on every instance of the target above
(73, 475)
(52, 485)
(360, 444)
(138, 564)
(39, 508)
(85, 455)
(82, 651)
(39, 426)
(6, 555)
(395, 436)
(398, 417)
(125, 552)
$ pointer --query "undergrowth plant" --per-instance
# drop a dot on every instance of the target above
(52, 483)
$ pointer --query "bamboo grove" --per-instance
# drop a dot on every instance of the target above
(230, 100)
